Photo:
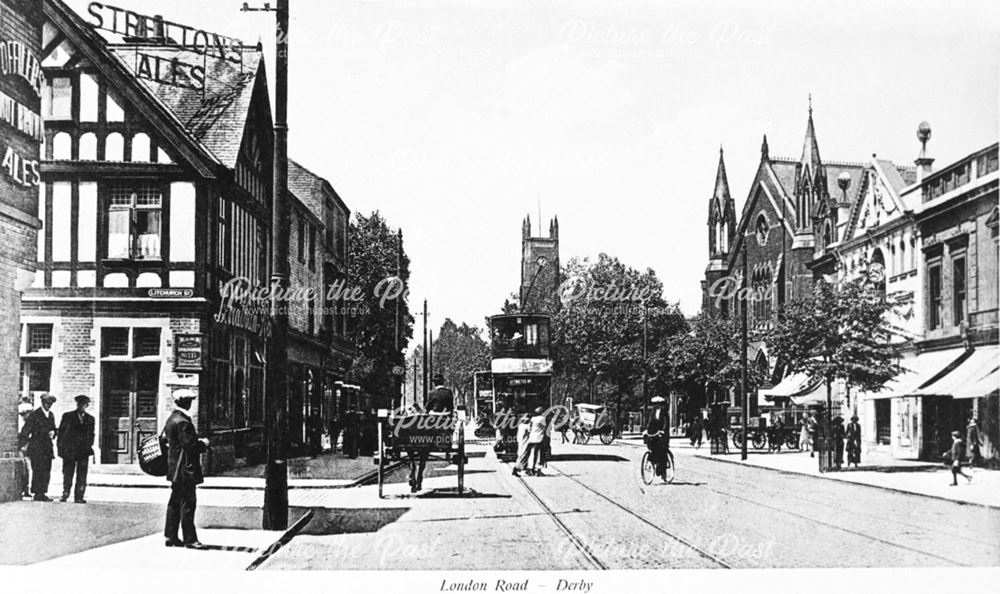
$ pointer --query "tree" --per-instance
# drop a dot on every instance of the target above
(459, 352)
(839, 332)
(598, 332)
(374, 248)
(705, 359)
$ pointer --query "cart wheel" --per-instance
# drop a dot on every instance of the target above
(607, 438)
(737, 438)
(792, 441)
(647, 470)
(759, 440)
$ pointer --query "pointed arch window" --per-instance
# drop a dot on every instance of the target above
(762, 229)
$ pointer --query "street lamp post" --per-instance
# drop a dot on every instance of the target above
(276, 469)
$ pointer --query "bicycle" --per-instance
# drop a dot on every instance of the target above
(647, 468)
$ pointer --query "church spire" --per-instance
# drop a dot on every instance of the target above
(721, 192)
(763, 150)
(810, 148)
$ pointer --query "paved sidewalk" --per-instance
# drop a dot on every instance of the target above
(123, 535)
(328, 471)
(876, 470)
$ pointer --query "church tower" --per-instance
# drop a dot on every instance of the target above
(721, 231)
(540, 269)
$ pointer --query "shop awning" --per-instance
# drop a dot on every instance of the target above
(918, 371)
(801, 388)
(815, 394)
(975, 376)
(792, 385)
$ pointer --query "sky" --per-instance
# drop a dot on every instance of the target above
(456, 118)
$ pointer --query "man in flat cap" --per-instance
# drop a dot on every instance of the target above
(184, 449)
(75, 446)
(36, 440)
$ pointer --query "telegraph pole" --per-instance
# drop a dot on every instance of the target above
(425, 357)
(397, 378)
(645, 374)
(743, 356)
(276, 470)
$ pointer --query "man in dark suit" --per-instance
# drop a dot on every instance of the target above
(75, 446)
(441, 399)
(36, 440)
(184, 449)
(658, 432)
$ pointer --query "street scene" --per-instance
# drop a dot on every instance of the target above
(500, 294)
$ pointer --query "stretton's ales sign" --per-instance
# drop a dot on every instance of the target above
(171, 71)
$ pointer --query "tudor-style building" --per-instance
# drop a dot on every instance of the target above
(156, 202)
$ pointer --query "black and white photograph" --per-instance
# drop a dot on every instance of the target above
(583, 296)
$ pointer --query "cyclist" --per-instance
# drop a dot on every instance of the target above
(657, 434)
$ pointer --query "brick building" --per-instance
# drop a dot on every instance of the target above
(156, 203)
(929, 235)
(21, 131)
(776, 235)
(318, 353)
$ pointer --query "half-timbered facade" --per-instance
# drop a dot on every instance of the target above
(154, 196)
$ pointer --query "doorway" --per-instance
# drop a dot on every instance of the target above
(129, 399)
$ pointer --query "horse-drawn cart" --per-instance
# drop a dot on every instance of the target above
(421, 437)
(592, 419)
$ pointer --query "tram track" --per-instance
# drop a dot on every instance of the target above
(586, 550)
(580, 545)
(860, 512)
(660, 529)
(815, 520)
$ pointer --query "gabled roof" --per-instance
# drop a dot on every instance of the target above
(309, 188)
(888, 176)
(94, 48)
(216, 116)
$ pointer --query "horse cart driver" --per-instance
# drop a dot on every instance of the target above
(441, 401)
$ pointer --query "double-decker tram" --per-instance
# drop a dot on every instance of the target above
(521, 368)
